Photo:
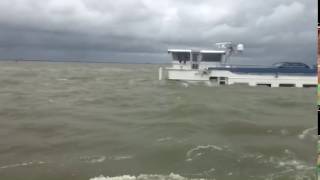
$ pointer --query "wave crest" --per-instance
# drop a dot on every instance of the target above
(171, 176)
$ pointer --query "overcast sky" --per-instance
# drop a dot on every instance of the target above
(142, 30)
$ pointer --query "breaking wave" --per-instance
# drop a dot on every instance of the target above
(287, 165)
(307, 132)
(100, 159)
(31, 163)
(93, 159)
(164, 139)
(199, 150)
(171, 176)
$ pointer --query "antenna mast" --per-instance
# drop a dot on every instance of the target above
(230, 48)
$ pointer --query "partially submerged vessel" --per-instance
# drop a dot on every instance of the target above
(212, 66)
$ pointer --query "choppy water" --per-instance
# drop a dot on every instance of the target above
(110, 121)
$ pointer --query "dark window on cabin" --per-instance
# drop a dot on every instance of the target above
(211, 57)
(181, 56)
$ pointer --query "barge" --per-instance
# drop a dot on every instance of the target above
(212, 66)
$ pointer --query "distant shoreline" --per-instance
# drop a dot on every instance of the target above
(77, 61)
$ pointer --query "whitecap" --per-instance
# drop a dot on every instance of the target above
(164, 139)
(119, 158)
(208, 172)
(93, 159)
(305, 132)
(194, 152)
(124, 177)
(295, 164)
(100, 159)
(22, 164)
(171, 176)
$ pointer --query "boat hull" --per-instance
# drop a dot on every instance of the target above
(227, 76)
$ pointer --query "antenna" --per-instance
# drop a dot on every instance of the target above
(240, 48)
(223, 45)
(230, 48)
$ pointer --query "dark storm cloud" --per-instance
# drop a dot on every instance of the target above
(142, 30)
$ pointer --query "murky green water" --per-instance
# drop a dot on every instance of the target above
(79, 121)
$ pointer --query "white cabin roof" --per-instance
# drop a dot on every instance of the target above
(179, 50)
(201, 51)
(213, 51)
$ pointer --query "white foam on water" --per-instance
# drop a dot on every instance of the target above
(196, 152)
(204, 147)
(22, 164)
(209, 171)
(119, 158)
(256, 156)
(124, 177)
(294, 174)
(100, 159)
(171, 176)
(164, 139)
(306, 132)
(290, 167)
(294, 164)
(93, 159)
(287, 165)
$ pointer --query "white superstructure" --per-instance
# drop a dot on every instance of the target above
(211, 65)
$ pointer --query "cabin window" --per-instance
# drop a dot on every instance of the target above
(212, 57)
(286, 85)
(181, 56)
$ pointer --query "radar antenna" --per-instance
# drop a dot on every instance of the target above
(230, 48)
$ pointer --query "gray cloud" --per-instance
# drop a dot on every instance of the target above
(142, 30)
